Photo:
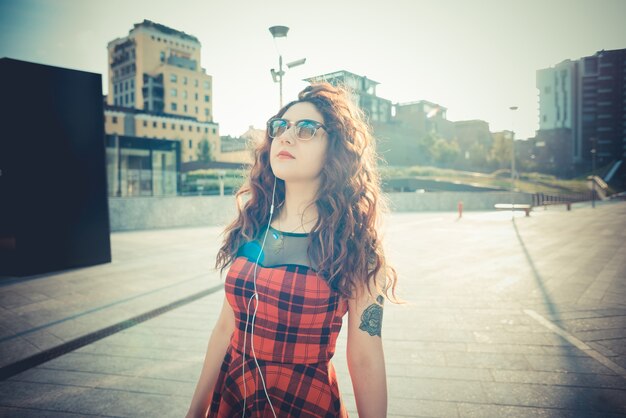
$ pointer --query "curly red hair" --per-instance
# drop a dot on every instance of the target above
(344, 242)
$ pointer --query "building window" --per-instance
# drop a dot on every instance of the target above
(197, 129)
(132, 96)
(206, 97)
(132, 83)
(162, 55)
(206, 112)
(173, 92)
(114, 119)
(115, 89)
(174, 107)
(163, 125)
(196, 110)
(196, 96)
(173, 78)
(173, 126)
(145, 123)
(185, 108)
(185, 80)
(190, 146)
(181, 127)
(213, 130)
(190, 128)
(206, 130)
(195, 82)
(184, 94)
(154, 124)
(206, 85)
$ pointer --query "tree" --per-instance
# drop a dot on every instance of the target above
(205, 151)
(500, 153)
(445, 152)
(425, 146)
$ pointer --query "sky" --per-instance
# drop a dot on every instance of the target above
(476, 58)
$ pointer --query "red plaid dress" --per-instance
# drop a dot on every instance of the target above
(296, 326)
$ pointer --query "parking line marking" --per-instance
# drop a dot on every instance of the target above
(577, 343)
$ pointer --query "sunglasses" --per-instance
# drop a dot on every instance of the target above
(305, 128)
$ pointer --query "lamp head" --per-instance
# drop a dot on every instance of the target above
(279, 31)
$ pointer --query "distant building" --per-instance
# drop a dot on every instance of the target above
(603, 108)
(155, 74)
(411, 122)
(425, 117)
(579, 102)
(187, 130)
(377, 109)
(553, 151)
(241, 149)
(142, 166)
(475, 141)
(406, 132)
(558, 88)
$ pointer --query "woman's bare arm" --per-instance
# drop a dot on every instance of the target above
(216, 350)
(366, 360)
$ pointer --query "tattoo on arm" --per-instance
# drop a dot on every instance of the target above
(372, 318)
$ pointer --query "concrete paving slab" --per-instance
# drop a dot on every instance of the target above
(465, 344)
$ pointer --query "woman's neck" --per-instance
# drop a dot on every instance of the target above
(299, 210)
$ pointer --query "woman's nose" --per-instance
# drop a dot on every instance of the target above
(288, 134)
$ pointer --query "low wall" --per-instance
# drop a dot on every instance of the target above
(448, 201)
(139, 213)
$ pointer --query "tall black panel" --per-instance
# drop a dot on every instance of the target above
(53, 195)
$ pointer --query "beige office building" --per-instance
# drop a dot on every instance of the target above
(156, 72)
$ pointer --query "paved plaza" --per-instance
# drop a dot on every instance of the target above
(505, 318)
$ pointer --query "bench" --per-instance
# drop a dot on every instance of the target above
(517, 206)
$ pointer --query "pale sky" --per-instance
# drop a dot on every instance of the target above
(476, 58)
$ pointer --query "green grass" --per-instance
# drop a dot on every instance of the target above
(528, 182)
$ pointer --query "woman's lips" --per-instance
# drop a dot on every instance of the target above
(284, 156)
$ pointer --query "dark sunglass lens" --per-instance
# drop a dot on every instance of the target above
(306, 129)
(277, 127)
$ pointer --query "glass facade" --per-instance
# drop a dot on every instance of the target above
(141, 166)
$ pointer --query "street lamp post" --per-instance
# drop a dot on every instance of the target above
(593, 172)
(277, 76)
(513, 109)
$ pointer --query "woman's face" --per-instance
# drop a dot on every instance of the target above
(309, 156)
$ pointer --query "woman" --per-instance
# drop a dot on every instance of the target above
(294, 273)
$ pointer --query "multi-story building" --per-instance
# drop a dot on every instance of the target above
(157, 89)
(582, 103)
(241, 149)
(559, 91)
(559, 97)
(475, 142)
(425, 118)
(603, 108)
(186, 129)
(377, 109)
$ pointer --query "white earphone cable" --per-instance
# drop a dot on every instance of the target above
(255, 296)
